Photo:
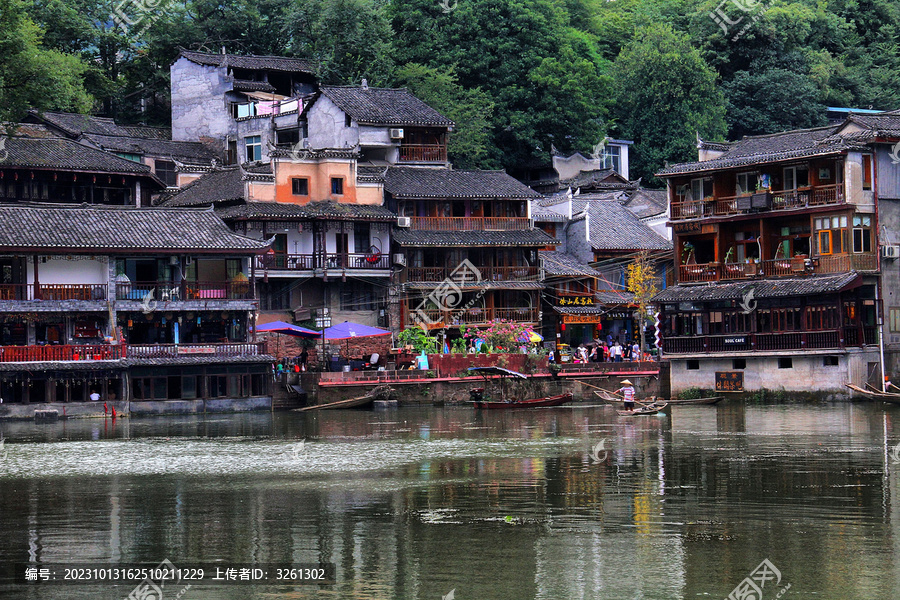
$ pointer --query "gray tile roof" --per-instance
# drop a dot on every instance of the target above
(530, 237)
(370, 174)
(196, 360)
(384, 106)
(242, 85)
(65, 154)
(614, 297)
(614, 227)
(98, 228)
(412, 182)
(647, 203)
(558, 264)
(763, 288)
(262, 63)
(186, 152)
(759, 149)
(325, 209)
(225, 185)
(75, 124)
(598, 179)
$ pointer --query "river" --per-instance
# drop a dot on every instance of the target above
(427, 503)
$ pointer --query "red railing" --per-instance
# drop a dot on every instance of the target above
(423, 153)
(821, 195)
(780, 267)
(470, 223)
(53, 291)
(701, 272)
(438, 274)
(224, 350)
(167, 291)
(308, 262)
(471, 316)
(61, 353)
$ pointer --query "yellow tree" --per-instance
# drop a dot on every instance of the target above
(642, 281)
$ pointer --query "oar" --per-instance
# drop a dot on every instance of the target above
(616, 394)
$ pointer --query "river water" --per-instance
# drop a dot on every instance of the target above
(429, 503)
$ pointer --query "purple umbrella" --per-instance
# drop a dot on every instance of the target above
(347, 330)
(287, 329)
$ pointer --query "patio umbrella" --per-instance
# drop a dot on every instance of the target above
(287, 329)
(531, 336)
(347, 330)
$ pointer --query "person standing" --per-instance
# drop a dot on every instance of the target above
(617, 352)
(627, 390)
(95, 396)
(635, 352)
(304, 359)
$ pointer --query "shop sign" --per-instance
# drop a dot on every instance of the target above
(729, 381)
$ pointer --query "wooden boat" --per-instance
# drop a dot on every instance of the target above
(534, 403)
(608, 397)
(648, 409)
(366, 401)
(479, 401)
(710, 400)
(889, 397)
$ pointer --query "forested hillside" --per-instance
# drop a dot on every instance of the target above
(517, 76)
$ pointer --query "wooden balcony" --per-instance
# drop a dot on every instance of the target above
(439, 274)
(223, 350)
(53, 291)
(309, 262)
(167, 291)
(423, 153)
(61, 353)
(436, 318)
(782, 267)
(771, 342)
(776, 200)
(470, 224)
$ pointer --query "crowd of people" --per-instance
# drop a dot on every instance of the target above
(609, 351)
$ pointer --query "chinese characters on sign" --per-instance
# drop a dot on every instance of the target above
(576, 301)
(729, 381)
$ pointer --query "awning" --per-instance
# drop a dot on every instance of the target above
(762, 288)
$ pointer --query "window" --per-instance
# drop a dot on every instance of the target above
(128, 156)
(746, 183)
(165, 170)
(361, 243)
(867, 171)
(612, 158)
(796, 177)
(862, 233)
(693, 365)
(337, 186)
(287, 137)
(254, 148)
(348, 121)
(357, 296)
(832, 235)
(786, 363)
(701, 188)
(894, 319)
(300, 186)
(830, 361)
(739, 363)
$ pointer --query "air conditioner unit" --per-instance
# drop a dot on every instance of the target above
(404, 221)
(396, 134)
(890, 251)
(400, 259)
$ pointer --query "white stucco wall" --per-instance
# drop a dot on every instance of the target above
(87, 270)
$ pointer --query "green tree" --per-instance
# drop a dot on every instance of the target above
(32, 76)
(470, 109)
(757, 103)
(665, 95)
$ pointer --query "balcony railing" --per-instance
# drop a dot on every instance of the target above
(771, 342)
(308, 262)
(822, 195)
(224, 350)
(52, 291)
(438, 274)
(470, 223)
(470, 316)
(780, 267)
(61, 353)
(166, 291)
(423, 153)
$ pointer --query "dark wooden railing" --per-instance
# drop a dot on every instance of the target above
(438, 274)
(821, 195)
(308, 262)
(700, 272)
(61, 353)
(470, 223)
(470, 316)
(423, 153)
(53, 291)
(167, 291)
(768, 342)
(779, 267)
(223, 350)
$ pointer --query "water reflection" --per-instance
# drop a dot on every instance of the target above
(412, 503)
